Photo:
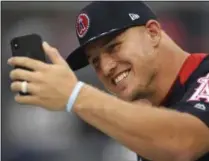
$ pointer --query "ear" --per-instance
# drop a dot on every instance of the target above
(154, 31)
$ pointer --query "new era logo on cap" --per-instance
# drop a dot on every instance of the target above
(200, 106)
(133, 16)
(82, 25)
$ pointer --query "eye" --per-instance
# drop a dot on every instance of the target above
(113, 47)
(95, 62)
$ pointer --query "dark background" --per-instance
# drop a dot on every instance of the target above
(34, 134)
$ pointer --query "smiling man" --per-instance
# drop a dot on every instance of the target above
(160, 107)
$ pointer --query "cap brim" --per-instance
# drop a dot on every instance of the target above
(78, 59)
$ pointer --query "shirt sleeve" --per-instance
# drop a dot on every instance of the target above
(196, 100)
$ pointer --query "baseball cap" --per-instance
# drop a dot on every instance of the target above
(102, 18)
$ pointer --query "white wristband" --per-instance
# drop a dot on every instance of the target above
(73, 96)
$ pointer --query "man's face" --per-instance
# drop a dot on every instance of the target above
(125, 64)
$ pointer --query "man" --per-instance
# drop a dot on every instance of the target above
(160, 102)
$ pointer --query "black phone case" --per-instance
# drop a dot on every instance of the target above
(28, 46)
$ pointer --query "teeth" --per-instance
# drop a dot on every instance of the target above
(121, 77)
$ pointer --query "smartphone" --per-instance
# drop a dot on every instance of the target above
(28, 46)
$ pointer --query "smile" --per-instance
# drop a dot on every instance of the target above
(121, 77)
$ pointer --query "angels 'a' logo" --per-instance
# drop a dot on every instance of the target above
(202, 91)
(82, 25)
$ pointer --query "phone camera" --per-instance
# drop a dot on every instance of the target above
(16, 46)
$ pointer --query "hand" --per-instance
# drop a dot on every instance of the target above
(49, 85)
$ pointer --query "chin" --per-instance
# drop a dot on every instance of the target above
(126, 96)
(132, 95)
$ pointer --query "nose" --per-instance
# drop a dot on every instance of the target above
(108, 64)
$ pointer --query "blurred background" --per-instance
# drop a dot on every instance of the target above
(34, 134)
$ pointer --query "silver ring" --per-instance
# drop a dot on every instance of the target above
(24, 87)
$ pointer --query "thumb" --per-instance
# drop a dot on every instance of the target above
(53, 54)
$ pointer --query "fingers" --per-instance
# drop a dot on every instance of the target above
(53, 54)
(31, 87)
(28, 99)
(28, 63)
(20, 74)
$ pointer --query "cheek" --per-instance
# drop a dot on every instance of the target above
(143, 67)
(135, 52)
(145, 48)
(104, 81)
(143, 57)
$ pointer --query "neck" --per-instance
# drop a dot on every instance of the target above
(171, 59)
